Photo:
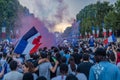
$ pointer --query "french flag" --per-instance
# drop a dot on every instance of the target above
(112, 38)
(110, 32)
(29, 43)
(3, 32)
(93, 31)
(104, 32)
(97, 32)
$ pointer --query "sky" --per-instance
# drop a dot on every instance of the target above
(61, 13)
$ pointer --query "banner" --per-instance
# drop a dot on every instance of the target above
(29, 43)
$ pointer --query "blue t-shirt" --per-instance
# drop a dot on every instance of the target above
(91, 42)
(104, 71)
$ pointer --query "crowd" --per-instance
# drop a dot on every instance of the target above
(88, 60)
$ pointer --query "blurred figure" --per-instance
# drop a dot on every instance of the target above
(28, 76)
(63, 71)
(85, 65)
(72, 67)
(71, 77)
(103, 70)
(41, 78)
(28, 67)
(45, 67)
(13, 74)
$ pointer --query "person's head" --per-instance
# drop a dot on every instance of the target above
(28, 76)
(63, 59)
(85, 57)
(41, 78)
(43, 55)
(75, 50)
(71, 77)
(13, 65)
(111, 56)
(63, 68)
(28, 67)
(100, 54)
(71, 60)
(72, 63)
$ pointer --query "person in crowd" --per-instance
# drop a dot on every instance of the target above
(28, 67)
(28, 76)
(85, 65)
(81, 76)
(1, 71)
(118, 55)
(63, 71)
(67, 55)
(77, 56)
(71, 77)
(111, 54)
(13, 74)
(72, 67)
(41, 78)
(45, 67)
(62, 60)
(91, 42)
(103, 70)
(4, 63)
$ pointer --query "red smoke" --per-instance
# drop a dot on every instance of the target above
(27, 22)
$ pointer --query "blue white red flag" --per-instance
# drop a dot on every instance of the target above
(97, 32)
(29, 43)
(112, 38)
(93, 30)
(110, 32)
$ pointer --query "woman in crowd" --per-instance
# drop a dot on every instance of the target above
(28, 67)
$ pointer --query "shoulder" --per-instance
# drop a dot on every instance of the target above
(81, 76)
(59, 78)
(8, 74)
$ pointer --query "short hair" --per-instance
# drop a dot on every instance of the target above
(28, 76)
(13, 65)
(100, 52)
(63, 59)
(43, 55)
(85, 56)
(63, 68)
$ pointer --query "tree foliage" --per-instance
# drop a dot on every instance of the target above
(93, 15)
(112, 19)
(8, 13)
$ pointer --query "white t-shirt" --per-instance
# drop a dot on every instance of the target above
(13, 75)
(59, 78)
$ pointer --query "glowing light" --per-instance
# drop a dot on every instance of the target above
(61, 27)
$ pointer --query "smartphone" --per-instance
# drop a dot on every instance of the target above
(54, 59)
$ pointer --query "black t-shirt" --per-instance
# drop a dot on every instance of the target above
(84, 67)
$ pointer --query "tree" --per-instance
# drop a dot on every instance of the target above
(8, 13)
(117, 10)
(93, 15)
(112, 19)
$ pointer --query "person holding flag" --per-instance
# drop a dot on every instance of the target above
(91, 42)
